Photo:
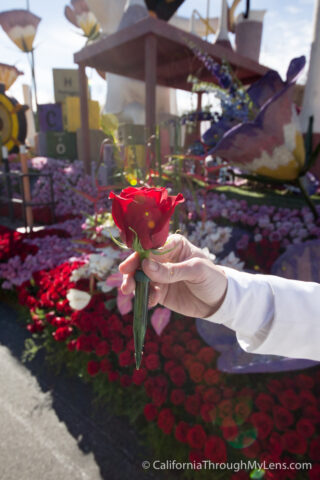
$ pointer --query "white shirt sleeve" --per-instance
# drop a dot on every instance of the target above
(272, 315)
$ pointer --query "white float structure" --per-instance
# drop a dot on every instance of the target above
(126, 97)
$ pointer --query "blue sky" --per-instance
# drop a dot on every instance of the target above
(287, 33)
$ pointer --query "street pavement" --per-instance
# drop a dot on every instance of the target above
(49, 429)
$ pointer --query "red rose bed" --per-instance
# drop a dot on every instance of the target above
(185, 408)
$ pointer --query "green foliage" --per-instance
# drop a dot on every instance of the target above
(30, 350)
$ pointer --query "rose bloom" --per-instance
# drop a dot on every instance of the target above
(196, 436)
(181, 432)
(93, 367)
(150, 412)
(166, 420)
(145, 211)
(215, 450)
(263, 424)
(294, 442)
(196, 371)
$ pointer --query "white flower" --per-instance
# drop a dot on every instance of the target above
(82, 272)
(232, 261)
(78, 299)
(102, 285)
(100, 265)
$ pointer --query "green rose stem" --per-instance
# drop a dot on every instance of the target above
(140, 314)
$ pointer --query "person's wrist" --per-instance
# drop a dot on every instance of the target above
(220, 287)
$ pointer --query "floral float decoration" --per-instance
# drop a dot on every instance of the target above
(258, 130)
(81, 17)
(21, 27)
(143, 216)
(8, 75)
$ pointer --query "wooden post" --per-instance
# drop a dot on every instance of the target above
(151, 82)
(84, 129)
(26, 186)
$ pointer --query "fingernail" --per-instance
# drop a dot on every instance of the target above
(151, 265)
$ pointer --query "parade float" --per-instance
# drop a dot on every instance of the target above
(250, 203)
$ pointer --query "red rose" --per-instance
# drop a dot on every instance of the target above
(305, 427)
(150, 412)
(196, 457)
(192, 404)
(139, 376)
(102, 349)
(212, 395)
(211, 376)
(275, 443)
(252, 451)
(62, 333)
(206, 355)
(152, 361)
(264, 402)
(151, 347)
(105, 365)
(181, 432)
(242, 410)
(178, 376)
(282, 417)
(289, 399)
(177, 396)
(314, 449)
(208, 412)
(229, 429)
(304, 381)
(263, 424)
(215, 450)
(125, 380)
(117, 344)
(314, 473)
(196, 436)
(125, 358)
(113, 376)
(196, 370)
(294, 443)
(166, 420)
(93, 367)
(147, 211)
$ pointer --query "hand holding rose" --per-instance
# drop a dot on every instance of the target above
(183, 280)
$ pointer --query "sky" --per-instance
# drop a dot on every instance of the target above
(288, 28)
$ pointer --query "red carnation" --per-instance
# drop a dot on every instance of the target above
(196, 436)
(166, 420)
(294, 443)
(93, 367)
(178, 376)
(215, 450)
(181, 432)
(150, 412)
(152, 361)
(145, 211)
(263, 424)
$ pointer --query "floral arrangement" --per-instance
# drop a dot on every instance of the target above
(187, 409)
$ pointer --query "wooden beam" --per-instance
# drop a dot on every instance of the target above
(151, 82)
(84, 128)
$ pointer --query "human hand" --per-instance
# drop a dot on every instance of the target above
(183, 280)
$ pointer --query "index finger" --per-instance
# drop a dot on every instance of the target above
(130, 264)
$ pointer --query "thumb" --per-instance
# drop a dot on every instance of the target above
(190, 270)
